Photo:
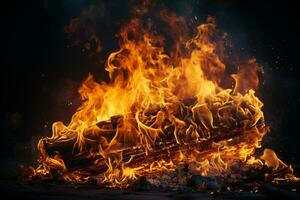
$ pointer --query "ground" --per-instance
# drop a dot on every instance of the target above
(57, 191)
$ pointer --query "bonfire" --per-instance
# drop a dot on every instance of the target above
(176, 105)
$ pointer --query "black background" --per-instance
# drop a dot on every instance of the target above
(40, 74)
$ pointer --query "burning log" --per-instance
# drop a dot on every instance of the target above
(92, 161)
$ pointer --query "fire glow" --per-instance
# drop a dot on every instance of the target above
(165, 106)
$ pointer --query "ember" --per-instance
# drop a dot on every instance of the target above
(171, 115)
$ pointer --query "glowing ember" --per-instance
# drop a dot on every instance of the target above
(165, 106)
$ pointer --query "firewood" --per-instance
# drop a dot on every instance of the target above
(86, 160)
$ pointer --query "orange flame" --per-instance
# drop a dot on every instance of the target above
(164, 108)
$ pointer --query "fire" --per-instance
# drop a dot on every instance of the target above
(163, 107)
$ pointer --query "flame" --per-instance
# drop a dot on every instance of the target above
(162, 107)
(271, 159)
